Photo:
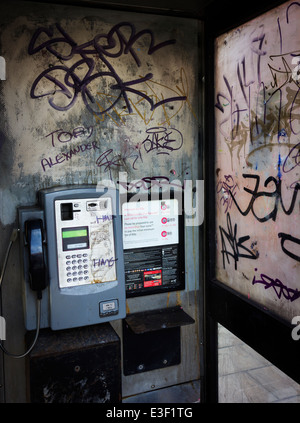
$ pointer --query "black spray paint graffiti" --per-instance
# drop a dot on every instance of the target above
(162, 141)
(253, 105)
(159, 140)
(236, 248)
(287, 237)
(104, 47)
(280, 289)
(276, 194)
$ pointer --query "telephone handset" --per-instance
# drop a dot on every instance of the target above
(34, 237)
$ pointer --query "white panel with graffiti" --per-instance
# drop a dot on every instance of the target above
(257, 106)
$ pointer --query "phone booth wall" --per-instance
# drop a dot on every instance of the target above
(109, 98)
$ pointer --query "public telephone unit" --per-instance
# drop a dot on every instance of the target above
(73, 254)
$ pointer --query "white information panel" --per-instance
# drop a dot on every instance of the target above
(150, 223)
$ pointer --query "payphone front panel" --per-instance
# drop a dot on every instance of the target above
(85, 241)
(84, 255)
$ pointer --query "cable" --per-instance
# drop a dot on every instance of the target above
(12, 240)
(35, 338)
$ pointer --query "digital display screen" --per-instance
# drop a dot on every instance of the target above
(75, 238)
(71, 233)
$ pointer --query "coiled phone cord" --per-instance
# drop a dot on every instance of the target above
(12, 240)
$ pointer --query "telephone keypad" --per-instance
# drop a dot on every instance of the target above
(76, 269)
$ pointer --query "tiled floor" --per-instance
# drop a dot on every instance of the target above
(246, 377)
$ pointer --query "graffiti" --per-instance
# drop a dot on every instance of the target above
(104, 262)
(69, 80)
(236, 248)
(151, 88)
(286, 237)
(257, 124)
(162, 141)
(104, 218)
(108, 161)
(61, 136)
(159, 139)
(65, 156)
(276, 194)
(226, 101)
(224, 188)
(293, 157)
(260, 96)
(279, 288)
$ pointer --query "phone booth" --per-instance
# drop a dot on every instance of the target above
(101, 178)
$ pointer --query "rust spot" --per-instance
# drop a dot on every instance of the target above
(96, 281)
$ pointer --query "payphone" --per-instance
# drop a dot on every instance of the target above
(73, 254)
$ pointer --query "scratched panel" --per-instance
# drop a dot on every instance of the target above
(90, 94)
(257, 156)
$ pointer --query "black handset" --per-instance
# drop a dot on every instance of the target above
(37, 267)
